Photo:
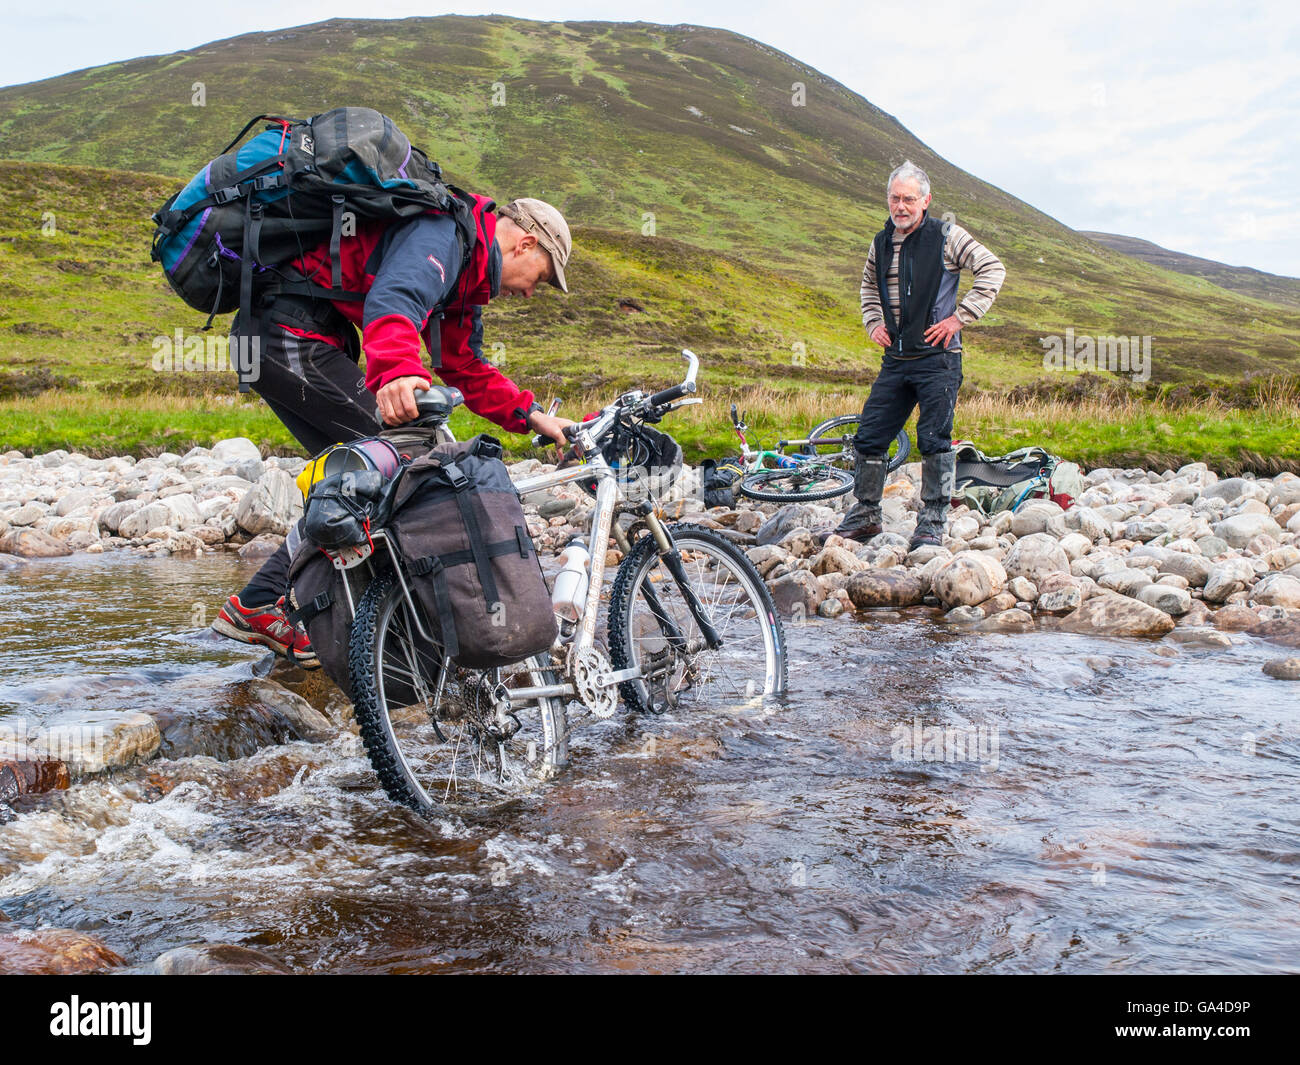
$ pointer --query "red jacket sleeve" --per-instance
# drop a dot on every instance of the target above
(392, 348)
(488, 392)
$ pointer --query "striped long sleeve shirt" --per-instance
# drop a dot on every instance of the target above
(961, 251)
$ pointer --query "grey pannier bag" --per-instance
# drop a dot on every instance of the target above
(459, 528)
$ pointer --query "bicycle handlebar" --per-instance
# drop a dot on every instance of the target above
(687, 386)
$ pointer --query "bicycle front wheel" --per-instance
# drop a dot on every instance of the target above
(805, 483)
(653, 628)
(466, 742)
(845, 426)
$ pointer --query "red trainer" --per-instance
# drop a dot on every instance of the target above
(268, 626)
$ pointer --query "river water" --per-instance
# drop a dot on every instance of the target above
(924, 800)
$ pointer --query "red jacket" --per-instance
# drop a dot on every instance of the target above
(410, 273)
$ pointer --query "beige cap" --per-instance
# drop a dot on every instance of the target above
(548, 225)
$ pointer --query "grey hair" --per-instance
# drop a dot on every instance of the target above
(909, 171)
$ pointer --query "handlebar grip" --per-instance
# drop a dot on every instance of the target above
(670, 394)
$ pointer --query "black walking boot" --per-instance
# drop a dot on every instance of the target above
(862, 520)
(938, 483)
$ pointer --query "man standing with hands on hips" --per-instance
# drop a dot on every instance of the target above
(910, 308)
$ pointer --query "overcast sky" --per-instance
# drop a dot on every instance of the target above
(1175, 122)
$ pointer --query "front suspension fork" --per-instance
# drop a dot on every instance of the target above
(672, 560)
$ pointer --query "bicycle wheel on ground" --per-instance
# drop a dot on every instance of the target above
(840, 432)
(652, 627)
(805, 483)
(466, 745)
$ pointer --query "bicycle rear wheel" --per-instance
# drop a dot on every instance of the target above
(651, 626)
(845, 426)
(806, 483)
(469, 744)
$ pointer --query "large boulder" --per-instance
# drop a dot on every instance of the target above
(54, 952)
(1038, 516)
(271, 505)
(1195, 569)
(1229, 576)
(967, 579)
(796, 516)
(215, 959)
(885, 588)
(1238, 530)
(1164, 597)
(1035, 556)
(1277, 589)
(797, 595)
(32, 543)
(1109, 614)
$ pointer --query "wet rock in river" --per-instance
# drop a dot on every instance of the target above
(1013, 620)
(53, 952)
(263, 546)
(32, 543)
(215, 959)
(836, 560)
(27, 776)
(967, 579)
(1283, 668)
(888, 588)
(1061, 601)
(797, 594)
(91, 741)
(1109, 614)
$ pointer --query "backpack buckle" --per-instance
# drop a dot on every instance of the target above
(226, 195)
(455, 476)
(268, 181)
(428, 564)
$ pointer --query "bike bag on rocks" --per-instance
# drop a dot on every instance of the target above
(720, 479)
(284, 193)
(460, 531)
(1002, 482)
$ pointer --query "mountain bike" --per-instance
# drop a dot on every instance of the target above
(820, 468)
(690, 625)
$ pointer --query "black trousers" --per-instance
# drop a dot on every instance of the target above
(932, 381)
(314, 386)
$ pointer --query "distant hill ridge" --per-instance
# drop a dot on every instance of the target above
(640, 132)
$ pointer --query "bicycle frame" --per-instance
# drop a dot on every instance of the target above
(608, 504)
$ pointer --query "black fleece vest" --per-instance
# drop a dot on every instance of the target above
(920, 270)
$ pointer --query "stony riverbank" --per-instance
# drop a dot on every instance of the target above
(1142, 553)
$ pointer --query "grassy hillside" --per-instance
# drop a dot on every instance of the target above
(763, 211)
(1255, 283)
(702, 128)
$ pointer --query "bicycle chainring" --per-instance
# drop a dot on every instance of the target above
(590, 668)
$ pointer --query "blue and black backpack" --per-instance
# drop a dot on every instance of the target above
(228, 233)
